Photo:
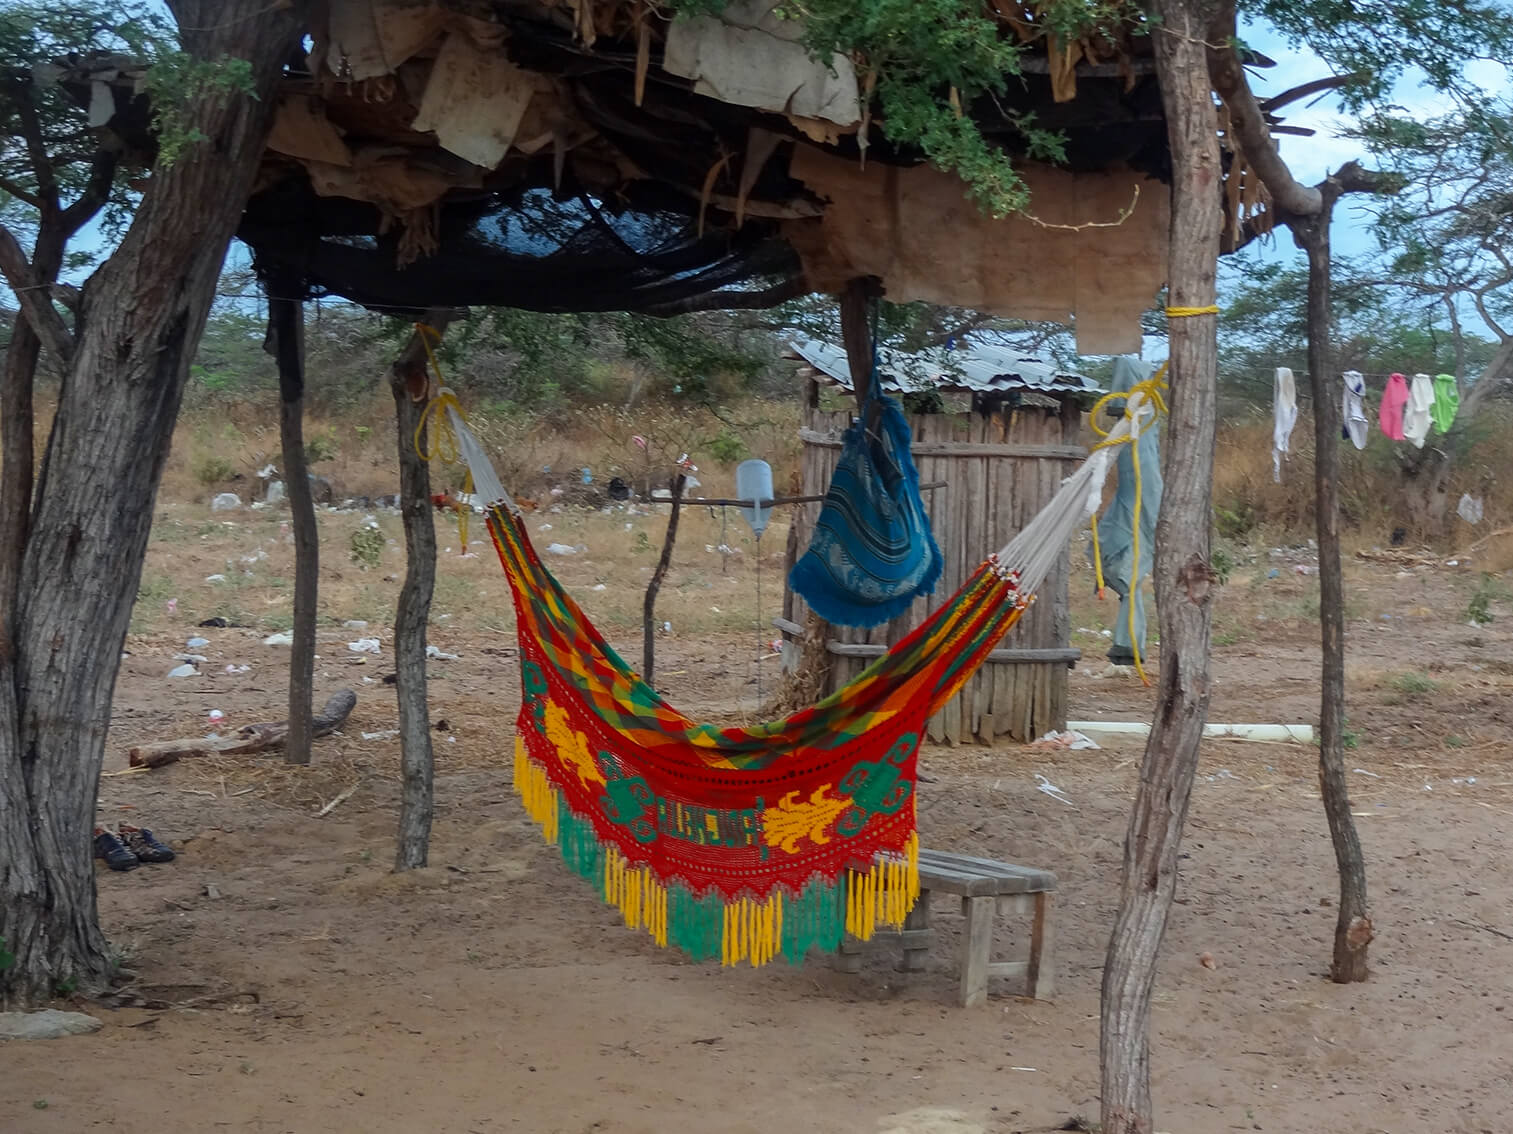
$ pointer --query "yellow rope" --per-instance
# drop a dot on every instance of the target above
(1187, 312)
(1151, 388)
(444, 446)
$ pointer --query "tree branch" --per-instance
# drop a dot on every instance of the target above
(36, 149)
(1248, 122)
(1303, 90)
(30, 199)
(102, 175)
(35, 304)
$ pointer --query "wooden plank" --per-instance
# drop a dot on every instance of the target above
(964, 870)
(955, 448)
(976, 951)
(1040, 977)
(917, 926)
(1014, 970)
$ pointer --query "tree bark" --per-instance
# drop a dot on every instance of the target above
(1352, 932)
(139, 322)
(1183, 577)
(410, 380)
(649, 604)
(286, 328)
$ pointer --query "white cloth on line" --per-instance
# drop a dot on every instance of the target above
(1416, 414)
(1284, 410)
(1354, 407)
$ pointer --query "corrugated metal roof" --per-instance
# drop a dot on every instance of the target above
(976, 367)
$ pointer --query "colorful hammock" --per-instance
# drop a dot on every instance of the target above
(745, 843)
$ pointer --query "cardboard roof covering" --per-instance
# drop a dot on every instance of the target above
(582, 154)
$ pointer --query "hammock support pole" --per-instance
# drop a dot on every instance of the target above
(649, 608)
(409, 379)
(286, 339)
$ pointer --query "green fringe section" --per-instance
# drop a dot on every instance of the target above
(815, 919)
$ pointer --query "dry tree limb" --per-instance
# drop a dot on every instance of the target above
(246, 740)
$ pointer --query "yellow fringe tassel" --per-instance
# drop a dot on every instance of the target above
(884, 894)
(539, 797)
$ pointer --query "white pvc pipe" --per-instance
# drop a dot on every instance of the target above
(1299, 733)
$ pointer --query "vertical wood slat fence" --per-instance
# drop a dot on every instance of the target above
(1000, 467)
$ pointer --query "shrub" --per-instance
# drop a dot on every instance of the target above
(213, 469)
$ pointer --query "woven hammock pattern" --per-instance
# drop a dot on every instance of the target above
(737, 843)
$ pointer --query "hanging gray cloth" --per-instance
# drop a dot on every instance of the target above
(1116, 525)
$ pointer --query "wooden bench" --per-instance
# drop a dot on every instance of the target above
(986, 888)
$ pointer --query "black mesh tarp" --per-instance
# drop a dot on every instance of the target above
(535, 249)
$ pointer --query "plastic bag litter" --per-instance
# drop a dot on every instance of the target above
(1044, 785)
(561, 549)
(365, 646)
(1075, 741)
(197, 643)
(185, 670)
(439, 654)
(282, 638)
(1469, 508)
(225, 502)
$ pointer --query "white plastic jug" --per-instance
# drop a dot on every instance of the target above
(753, 481)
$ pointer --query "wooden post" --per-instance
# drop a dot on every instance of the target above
(1185, 582)
(286, 330)
(1353, 928)
(410, 381)
(649, 607)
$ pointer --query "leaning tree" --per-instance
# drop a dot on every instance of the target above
(124, 351)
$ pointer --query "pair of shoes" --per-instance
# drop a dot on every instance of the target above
(130, 848)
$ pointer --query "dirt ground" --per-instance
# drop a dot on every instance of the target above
(312, 990)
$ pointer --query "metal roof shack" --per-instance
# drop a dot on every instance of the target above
(981, 369)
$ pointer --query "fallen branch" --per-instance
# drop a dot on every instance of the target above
(246, 740)
(338, 800)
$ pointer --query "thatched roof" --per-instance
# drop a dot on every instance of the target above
(595, 154)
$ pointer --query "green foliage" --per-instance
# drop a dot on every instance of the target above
(727, 447)
(1222, 560)
(367, 544)
(321, 447)
(1479, 608)
(1414, 684)
(1235, 523)
(177, 83)
(930, 61)
(212, 469)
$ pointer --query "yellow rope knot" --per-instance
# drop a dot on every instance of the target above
(1149, 391)
(434, 419)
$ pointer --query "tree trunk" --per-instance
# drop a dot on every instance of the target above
(410, 379)
(286, 327)
(649, 604)
(1183, 578)
(140, 320)
(1352, 931)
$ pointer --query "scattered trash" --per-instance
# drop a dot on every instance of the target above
(225, 502)
(544, 528)
(238, 669)
(1223, 774)
(385, 734)
(1052, 790)
(561, 549)
(1207, 961)
(354, 624)
(197, 643)
(365, 646)
(1106, 633)
(217, 578)
(282, 638)
(192, 659)
(275, 492)
(587, 475)
(598, 587)
(667, 627)
(1363, 772)
(438, 654)
(216, 718)
(1469, 508)
(1452, 563)
(171, 606)
(1274, 573)
(1074, 741)
(185, 670)
(1303, 569)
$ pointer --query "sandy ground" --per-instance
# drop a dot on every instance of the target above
(313, 990)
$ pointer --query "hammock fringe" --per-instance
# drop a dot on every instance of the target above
(706, 926)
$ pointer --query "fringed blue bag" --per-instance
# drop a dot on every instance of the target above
(872, 552)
